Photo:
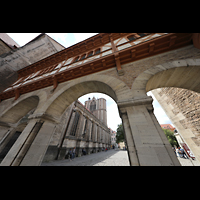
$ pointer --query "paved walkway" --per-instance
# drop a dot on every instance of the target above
(188, 162)
(109, 158)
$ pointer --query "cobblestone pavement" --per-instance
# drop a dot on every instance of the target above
(109, 158)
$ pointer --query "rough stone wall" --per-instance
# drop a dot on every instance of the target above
(187, 103)
(183, 109)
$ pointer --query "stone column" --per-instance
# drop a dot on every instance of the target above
(147, 143)
(31, 146)
(94, 138)
(38, 148)
(15, 150)
(89, 127)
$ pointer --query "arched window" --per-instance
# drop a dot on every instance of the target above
(75, 123)
(76, 59)
(83, 56)
(142, 34)
(90, 54)
(131, 38)
(97, 51)
(93, 105)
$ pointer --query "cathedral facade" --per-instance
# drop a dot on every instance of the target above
(82, 127)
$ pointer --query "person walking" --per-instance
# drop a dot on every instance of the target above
(70, 154)
(73, 153)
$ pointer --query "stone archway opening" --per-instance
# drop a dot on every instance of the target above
(78, 119)
(19, 110)
(13, 121)
(65, 99)
(177, 91)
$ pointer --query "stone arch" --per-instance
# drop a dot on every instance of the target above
(182, 77)
(19, 109)
(168, 75)
(72, 90)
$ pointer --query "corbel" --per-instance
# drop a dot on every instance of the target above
(55, 82)
(133, 53)
(172, 40)
(118, 64)
(17, 94)
(151, 47)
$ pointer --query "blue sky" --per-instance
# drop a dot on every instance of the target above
(68, 39)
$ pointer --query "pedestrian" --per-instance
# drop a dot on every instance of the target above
(183, 153)
(180, 152)
(106, 149)
(73, 152)
(70, 154)
(173, 148)
(84, 152)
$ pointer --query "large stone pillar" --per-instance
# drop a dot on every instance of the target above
(38, 148)
(31, 146)
(147, 143)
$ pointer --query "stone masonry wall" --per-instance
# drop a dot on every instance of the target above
(186, 102)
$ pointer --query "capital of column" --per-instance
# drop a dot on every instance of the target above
(147, 101)
(135, 102)
(44, 117)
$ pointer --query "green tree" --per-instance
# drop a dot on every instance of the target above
(120, 134)
(171, 138)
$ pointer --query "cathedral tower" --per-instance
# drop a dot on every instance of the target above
(98, 108)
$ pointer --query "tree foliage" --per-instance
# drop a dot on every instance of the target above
(171, 138)
(169, 134)
(120, 134)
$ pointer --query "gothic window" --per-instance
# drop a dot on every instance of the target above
(75, 123)
(93, 106)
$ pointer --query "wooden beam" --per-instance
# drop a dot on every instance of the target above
(196, 40)
(17, 94)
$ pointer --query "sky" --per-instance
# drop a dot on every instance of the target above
(68, 39)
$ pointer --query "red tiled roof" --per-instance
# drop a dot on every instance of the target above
(167, 126)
